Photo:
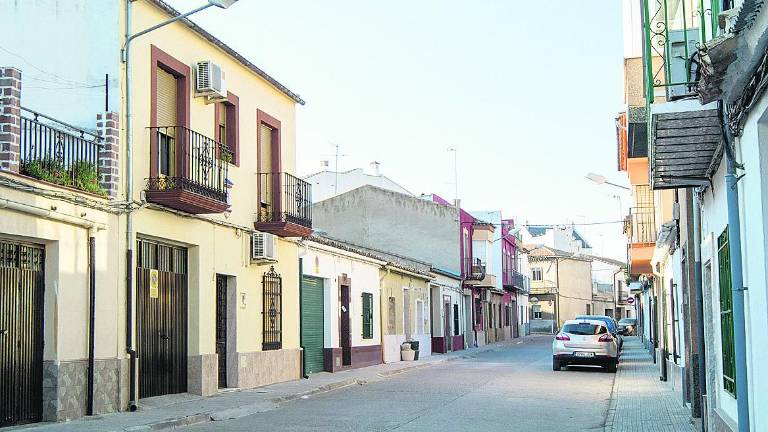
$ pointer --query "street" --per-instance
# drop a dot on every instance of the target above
(512, 388)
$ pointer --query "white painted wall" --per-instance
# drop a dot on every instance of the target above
(63, 48)
(328, 263)
(324, 183)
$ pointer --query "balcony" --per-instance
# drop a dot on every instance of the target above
(473, 270)
(285, 205)
(513, 279)
(188, 171)
(640, 229)
(58, 153)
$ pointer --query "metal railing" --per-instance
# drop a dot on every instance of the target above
(640, 225)
(473, 269)
(517, 280)
(58, 152)
(190, 161)
(284, 198)
(673, 31)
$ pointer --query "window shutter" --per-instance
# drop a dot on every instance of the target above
(265, 148)
(726, 314)
(367, 316)
(167, 99)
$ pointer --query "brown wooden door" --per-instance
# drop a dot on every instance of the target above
(344, 328)
(447, 325)
(221, 328)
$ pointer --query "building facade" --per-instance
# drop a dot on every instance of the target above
(150, 212)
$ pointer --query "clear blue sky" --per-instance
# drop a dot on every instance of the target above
(526, 91)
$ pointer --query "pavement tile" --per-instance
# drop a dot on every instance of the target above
(640, 401)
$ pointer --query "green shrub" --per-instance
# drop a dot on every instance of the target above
(81, 175)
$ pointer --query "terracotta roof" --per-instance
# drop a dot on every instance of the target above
(548, 252)
(606, 260)
(229, 50)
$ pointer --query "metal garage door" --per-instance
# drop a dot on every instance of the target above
(21, 333)
(161, 288)
(312, 323)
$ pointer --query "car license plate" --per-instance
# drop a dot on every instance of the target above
(584, 354)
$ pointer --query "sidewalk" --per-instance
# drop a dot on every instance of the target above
(174, 411)
(640, 402)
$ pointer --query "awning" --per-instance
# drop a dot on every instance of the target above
(687, 144)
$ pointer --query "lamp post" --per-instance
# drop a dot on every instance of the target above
(599, 179)
(125, 58)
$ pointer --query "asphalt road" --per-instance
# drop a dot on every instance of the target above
(511, 389)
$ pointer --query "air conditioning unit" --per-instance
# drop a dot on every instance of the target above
(263, 247)
(209, 81)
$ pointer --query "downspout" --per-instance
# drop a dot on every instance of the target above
(91, 316)
(737, 276)
(129, 347)
(303, 363)
(699, 299)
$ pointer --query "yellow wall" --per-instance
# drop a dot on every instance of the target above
(254, 93)
(66, 306)
(216, 249)
(392, 285)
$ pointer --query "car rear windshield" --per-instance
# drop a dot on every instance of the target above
(627, 321)
(584, 329)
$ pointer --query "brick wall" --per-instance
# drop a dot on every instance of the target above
(10, 118)
(108, 125)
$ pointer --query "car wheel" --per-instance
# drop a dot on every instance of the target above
(612, 366)
(556, 366)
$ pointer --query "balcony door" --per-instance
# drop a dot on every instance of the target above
(268, 177)
(167, 118)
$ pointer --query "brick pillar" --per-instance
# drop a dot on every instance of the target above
(10, 118)
(108, 125)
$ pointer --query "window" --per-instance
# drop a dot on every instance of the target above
(227, 115)
(478, 312)
(500, 318)
(584, 329)
(272, 312)
(166, 105)
(419, 317)
(391, 315)
(367, 316)
(726, 314)
(537, 274)
(455, 320)
(589, 309)
(536, 311)
(169, 113)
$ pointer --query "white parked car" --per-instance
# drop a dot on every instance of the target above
(585, 342)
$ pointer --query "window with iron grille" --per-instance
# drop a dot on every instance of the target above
(536, 311)
(272, 311)
(455, 320)
(367, 316)
(726, 314)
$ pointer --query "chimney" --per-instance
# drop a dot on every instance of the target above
(375, 168)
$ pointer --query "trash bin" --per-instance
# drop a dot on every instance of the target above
(415, 347)
(406, 353)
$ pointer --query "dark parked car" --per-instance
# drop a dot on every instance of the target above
(628, 326)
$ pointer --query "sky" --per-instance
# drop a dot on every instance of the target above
(526, 92)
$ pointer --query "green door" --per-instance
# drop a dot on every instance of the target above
(312, 323)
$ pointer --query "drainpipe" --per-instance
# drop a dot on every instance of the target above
(91, 317)
(699, 299)
(129, 216)
(737, 276)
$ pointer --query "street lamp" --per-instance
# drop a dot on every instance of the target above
(597, 178)
(125, 57)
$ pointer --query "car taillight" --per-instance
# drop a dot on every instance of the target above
(606, 338)
(562, 336)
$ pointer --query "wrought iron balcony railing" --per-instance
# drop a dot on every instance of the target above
(188, 167)
(284, 198)
(59, 153)
(673, 31)
(640, 225)
(474, 270)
